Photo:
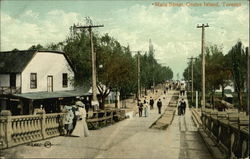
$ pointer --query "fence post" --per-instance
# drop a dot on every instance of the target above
(8, 132)
(43, 126)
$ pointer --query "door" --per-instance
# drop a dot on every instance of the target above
(50, 83)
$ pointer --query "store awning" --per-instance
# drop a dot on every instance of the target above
(50, 95)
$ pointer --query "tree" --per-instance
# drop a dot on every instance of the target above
(36, 47)
(119, 70)
(217, 74)
(237, 59)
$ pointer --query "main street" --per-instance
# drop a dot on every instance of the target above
(130, 138)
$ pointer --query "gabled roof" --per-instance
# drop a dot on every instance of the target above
(16, 61)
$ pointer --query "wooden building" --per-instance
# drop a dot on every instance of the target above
(32, 79)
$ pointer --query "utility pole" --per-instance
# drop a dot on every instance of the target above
(188, 78)
(203, 63)
(192, 74)
(138, 75)
(89, 27)
(248, 80)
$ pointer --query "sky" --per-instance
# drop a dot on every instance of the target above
(172, 29)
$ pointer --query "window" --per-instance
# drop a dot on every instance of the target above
(12, 80)
(65, 80)
(33, 80)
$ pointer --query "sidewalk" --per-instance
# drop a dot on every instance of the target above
(96, 144)
(130, 138)
(180, 141)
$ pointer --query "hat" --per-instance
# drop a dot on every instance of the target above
(80, 104)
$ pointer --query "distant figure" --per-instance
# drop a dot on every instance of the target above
(140, 107)
(159, 105)
(182, 91)
(145, 106)
(182, 107)
(164, 92)
(151, 103)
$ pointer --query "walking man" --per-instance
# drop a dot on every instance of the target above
(151, 103)
(140, 107)
(159, 105)
(183, 105)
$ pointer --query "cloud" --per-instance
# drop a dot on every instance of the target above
(174, 33)
(30, 13)
(22, 33)
(172, 30)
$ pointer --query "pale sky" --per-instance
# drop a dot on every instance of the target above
(172, 29)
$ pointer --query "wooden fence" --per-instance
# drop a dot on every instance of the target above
(229, 129)
(15, 130)
(107, 116)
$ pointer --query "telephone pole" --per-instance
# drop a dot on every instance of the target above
(248, 80)
(138, 75)
(192, 72)
(89, 27)
(203, 63)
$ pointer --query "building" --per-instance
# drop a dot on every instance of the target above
(32, 79)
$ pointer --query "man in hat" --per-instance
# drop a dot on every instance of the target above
(159, 105)
(140, 107)
(151, 103)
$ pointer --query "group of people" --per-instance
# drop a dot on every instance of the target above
(182, 107)
(75, 121)
(144, 106)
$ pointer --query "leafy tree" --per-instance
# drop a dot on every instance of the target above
(119, 68)
(238, 64)
(217, 74)
(36, 47)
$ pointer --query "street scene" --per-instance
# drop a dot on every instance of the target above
(124, 79)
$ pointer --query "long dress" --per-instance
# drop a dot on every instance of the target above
(81, 125)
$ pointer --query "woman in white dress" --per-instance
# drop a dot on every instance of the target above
(81, 125)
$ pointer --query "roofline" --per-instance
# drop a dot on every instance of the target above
(59, 52)
(17, 51)
(37, 51)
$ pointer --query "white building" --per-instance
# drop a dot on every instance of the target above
(32, 77)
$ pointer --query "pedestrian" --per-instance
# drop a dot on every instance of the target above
(159, 105)
(151, 103)
(140, 107)
(68, 120)
(179, 108)
(183, 106)
(81, 127)
(74, 109)
(182, 89)
(145, 106)
(164, 92)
